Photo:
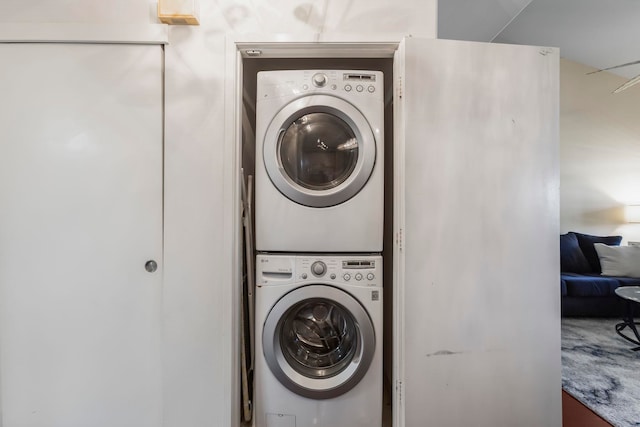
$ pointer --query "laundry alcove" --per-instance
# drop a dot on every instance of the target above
(471, 220)
(271, 60)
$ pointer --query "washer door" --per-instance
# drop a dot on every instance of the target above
(319, 151)
(318, 341)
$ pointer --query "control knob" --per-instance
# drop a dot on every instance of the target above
(318, 268)
(319, 79)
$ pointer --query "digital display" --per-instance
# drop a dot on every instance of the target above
(360, 77)
(358, 264)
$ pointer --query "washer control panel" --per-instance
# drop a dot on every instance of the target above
(363, 270)
(355, 270)
(274, 84)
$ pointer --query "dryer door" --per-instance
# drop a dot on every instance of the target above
(319, 151)
(318, 341)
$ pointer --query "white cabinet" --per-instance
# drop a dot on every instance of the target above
(477, 296)
(80, 215)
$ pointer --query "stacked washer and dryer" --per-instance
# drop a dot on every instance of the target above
(319, 230)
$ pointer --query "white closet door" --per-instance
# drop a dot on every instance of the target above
(477, 175)
(80, 215)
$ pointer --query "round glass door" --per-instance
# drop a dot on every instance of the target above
(318, 341)
(319, 151)
(318, 338)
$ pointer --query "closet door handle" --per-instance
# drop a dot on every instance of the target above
(151, 266)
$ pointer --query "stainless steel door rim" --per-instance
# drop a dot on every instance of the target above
(324, 380)
(355, 177)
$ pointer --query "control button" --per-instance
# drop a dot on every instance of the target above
(359, 88)
(304, 275)
(334, 87)
(319, 79)
(333, 276)
(371, 89)
(305, 87)
(318, 268)
(346, 277)
(358, 276)
(370, 276)
(348, 88)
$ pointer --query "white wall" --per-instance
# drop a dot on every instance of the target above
(599, 152)
(197, 299)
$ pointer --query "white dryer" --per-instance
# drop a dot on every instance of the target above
(318, 341)
(319, 161)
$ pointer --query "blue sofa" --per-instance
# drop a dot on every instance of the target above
(585, 292)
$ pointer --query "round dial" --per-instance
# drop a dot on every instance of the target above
(319, 79)
(318, 268)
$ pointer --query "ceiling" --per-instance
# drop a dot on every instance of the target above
(598, 33)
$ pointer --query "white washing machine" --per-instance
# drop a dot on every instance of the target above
(319, 161)
(318, 341)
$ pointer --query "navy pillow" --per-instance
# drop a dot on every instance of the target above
(586, 242)
(572, 260)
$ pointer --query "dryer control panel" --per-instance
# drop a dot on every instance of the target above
(352, 82)
(364, 270)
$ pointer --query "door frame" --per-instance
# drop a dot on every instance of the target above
(85, 33)
(318, 46)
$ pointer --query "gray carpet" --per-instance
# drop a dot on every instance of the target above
(600, 370)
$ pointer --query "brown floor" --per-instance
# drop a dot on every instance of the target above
(575, 414)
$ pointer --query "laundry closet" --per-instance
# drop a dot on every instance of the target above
(121, 237)
(319, 159)
(470, 178)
